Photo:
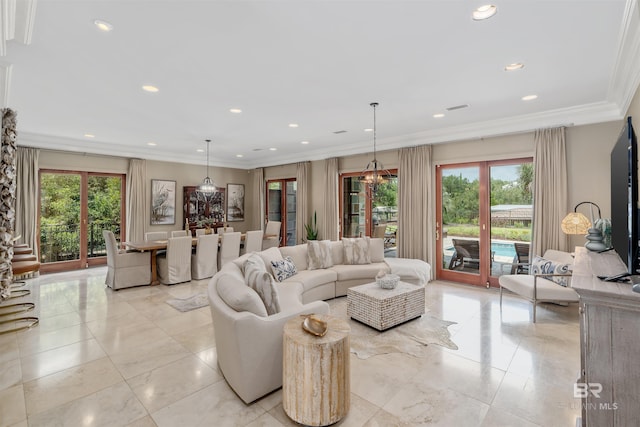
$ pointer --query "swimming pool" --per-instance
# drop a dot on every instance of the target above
(499, 248)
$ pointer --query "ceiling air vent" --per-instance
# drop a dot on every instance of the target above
(458, 107)
(257, 149)
(340, 131)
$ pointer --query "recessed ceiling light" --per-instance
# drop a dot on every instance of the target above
(89, 135)
(293, 125)
(273, 149)
(103, 25)
(200, 150)
(235, 110)
(153, 144)
(239, 155)
(304, 142)
(484, 12)
(529, 97)
(438, 115)
(149, 88)
(514, 66)
(368, 130)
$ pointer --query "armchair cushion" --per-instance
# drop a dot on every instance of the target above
(545, 266)
(260, 280)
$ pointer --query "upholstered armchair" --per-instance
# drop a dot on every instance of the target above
(125, 269)
(175, 265)
(540, 287)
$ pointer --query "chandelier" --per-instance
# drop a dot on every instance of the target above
(374, 175)
(207, 188)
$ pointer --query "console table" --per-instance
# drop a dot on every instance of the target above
(610, 348)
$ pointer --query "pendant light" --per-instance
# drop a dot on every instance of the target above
(207, 188)
(374, 175)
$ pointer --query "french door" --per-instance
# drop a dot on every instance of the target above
(74, 209)
(484, 218)
(360, 213)
(281, 206)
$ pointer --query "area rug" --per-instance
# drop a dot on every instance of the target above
(191, 303)
(411, 337)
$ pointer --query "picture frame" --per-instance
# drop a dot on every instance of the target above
(163, 202)
(235, 202)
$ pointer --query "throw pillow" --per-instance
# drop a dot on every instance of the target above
(319, 254)
(283, 269)
(240, 297)
(544, 266)
(356, 251)
(258, 278)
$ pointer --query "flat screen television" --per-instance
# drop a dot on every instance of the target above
(624, 197)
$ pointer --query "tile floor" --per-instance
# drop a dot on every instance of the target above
(126, 358)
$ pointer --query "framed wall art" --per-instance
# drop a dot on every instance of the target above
(163, 202)
(235, 202)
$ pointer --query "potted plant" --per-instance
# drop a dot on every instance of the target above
(206, 224)
(312, 229)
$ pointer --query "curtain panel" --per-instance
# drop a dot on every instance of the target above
(27, 197)
(258, 195)
(137, 200)
(550, 196)
(328, 224)
(302, 200)
(416, 210)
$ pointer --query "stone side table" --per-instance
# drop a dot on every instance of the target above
(316, 383)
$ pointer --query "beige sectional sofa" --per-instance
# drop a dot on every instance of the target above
(249, 342)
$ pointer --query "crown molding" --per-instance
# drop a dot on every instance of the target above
(17, 18)
(625, 76)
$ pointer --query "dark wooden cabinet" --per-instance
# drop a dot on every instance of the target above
(198, 208)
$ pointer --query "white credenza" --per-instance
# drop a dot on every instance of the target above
(609, 383)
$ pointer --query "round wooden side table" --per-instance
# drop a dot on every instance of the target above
(316, 383)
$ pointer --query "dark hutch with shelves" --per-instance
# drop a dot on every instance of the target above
(197, 208)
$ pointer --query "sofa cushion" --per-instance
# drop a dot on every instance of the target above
(271, 254)
(522, 284)
(541, 265)
(337, 252)
(363, 271)
(260, 280)
(376, 249)
(319, 254)
(356, 251)
(298, 254)
(238, 296)
(312, 278)
(283, 268)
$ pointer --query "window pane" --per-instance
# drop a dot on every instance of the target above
(104, 212)
(59, 217)
(292, 188)
(353, 206)
(274, 198)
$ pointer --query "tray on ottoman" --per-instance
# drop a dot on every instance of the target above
(384, 308)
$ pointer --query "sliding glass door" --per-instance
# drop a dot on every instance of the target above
(281, 206)
(484, 220)
(74, 209)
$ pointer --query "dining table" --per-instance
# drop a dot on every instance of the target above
(154, 246)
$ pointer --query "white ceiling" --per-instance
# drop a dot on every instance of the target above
(315, 63)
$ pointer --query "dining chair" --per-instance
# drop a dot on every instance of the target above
(179, 233)
(125, 269)
(252, 241)
(174, 266)
(204, 262)
(272, 231)
(156, 235)
(222, 230)
(229, 247)
(200, 231)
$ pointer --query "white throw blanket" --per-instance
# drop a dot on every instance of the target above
(410, 267)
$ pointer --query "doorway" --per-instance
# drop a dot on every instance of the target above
(75, 207)
(484, 218)
(281, 206)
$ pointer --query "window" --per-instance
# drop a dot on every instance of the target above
(281, 206)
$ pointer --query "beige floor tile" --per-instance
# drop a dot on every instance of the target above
(56, 389)
(59, 321)
(198, 338)
(9, 349)
(61, 358)
(384, 419)
(182, 322)
(143, 422)
(123, 338)
(10, 374)
(112, 406)
(37, 340)
(498, 418)
(144, 358)
(12, 408)
(210, 357)
(170, 383)
(216, 405)
(265, 420)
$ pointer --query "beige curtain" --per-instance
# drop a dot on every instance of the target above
(415, 235)
(328, 223)
(137, 200)
(27, 197)
(550, 191)
(302, 200)
(258, 196)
